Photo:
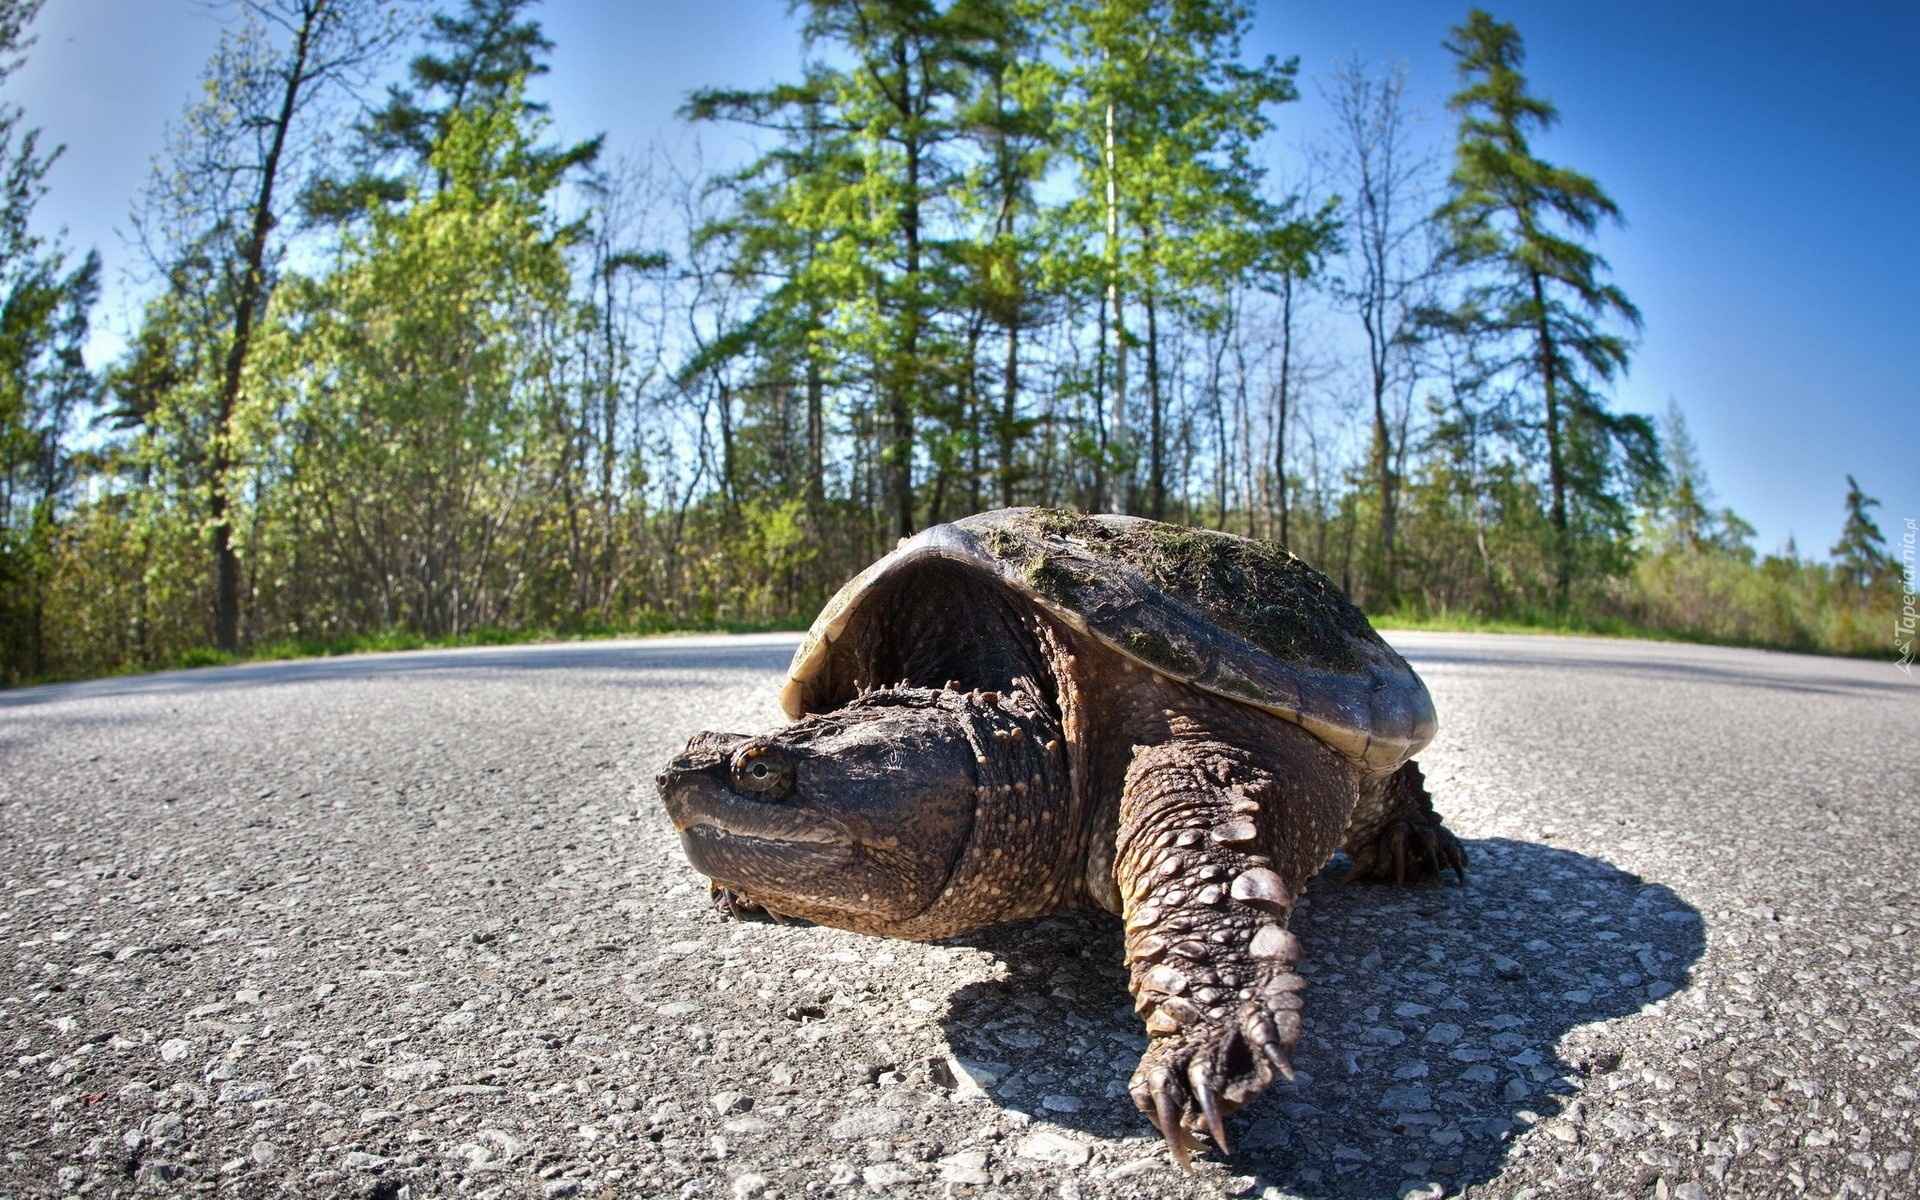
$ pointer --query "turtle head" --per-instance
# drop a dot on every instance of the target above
(861, 817)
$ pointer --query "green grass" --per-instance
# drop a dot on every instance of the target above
(393, 640)
(1463, 622)
(1576, 625)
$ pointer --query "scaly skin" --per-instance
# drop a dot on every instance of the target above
(1215, 843)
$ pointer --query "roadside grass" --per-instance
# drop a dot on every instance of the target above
(1577, 625)
(1561, 623)
(285, 650)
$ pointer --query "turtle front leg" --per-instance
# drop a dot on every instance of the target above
(1212, 849)
(1396, 837)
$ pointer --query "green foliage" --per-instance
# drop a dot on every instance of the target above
(1536, 306)
(1484, 559)
(1861, 563)
(45, 303)
(405, 402)
(990, 252)
(484, 57)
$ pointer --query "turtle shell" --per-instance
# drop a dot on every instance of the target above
(1239, 618)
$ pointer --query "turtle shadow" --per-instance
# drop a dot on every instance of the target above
(1437, 1019)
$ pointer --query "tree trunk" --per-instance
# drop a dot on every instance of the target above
(976, 434)
(1009, 401)
(1280, 404)
(1156, 467)
(253, 254)
(1156, 433)
(726, 448)
(816, 430)
(1383, 461)
(1556, 469)
(906, 371)
(1101, 457)
(1243, 414)
(1221, 482)
(1118, 443)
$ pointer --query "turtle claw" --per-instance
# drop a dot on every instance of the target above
(732, 906)
(1192, 1080)
(1159, 1095)
(1408, 852)
(1281, 1063)
(1210, 1106)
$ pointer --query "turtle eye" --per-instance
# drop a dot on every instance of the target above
(759, 767)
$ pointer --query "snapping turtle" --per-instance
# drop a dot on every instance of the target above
(1030, 710)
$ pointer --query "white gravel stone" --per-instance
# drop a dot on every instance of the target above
(1134, 1167)
(967, 1167)
(749, 1186)
(869, 1122)
(1051, 1146)
(881, 1176)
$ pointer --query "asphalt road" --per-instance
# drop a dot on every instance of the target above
(413, 925)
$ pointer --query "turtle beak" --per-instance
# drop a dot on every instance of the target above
(752, 839)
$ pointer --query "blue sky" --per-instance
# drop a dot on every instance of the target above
(1766, 155)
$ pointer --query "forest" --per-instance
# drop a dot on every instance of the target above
(411, 367)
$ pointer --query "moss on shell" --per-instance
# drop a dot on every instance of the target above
(1056, 579)
(1255, 590)
(1002, 545)
(1157, 650)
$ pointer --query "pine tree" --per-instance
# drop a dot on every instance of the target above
(474, 60)
(777, 233)
(1013, 119)
(1861, 562)
(1522, 227)
(1685, 498)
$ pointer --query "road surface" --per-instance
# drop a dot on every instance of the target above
(413, 925)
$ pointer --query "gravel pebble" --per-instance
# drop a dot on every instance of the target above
(968, 1167)
(749, 1185)
(1053, 1147)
